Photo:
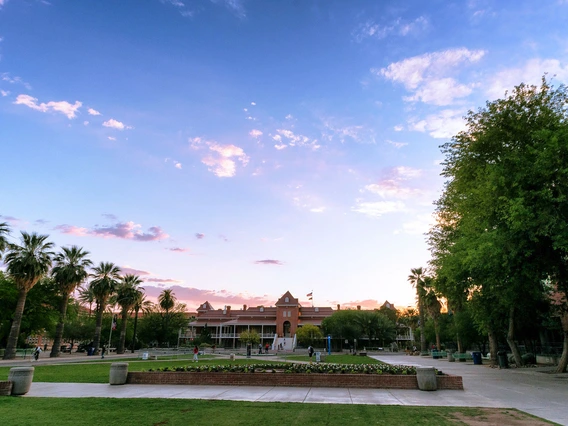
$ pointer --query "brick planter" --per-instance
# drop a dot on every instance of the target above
(5, 388)
(377, 381)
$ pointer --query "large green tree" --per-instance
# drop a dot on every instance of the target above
(504, 207)
(127, 295)
(103, 285)
(26, 264)
(69, 272)
(308, 334)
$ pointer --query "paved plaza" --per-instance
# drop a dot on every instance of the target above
(533, 390)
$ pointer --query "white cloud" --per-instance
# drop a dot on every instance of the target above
(289, 117)
(115, 124)
(177, 165)
(255, 133)
(379, 208)
(443, 125)
(222, 162)
(398, 128)
(392, 186)
(440, 92)
(317, 209)
(280, 147)
(426, 76)
(294, 139)
(111, 138)
(62, 107)
(530, 73)
(253, 103)
(397, 144)
(15, 80)
(370, 29)
(4, 92)
(92, 111)
(420, 225)
(86, 123)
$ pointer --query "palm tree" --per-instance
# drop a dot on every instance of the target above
(166, 301)
(126, 297)
(105, 279)
(4, 230)
(86, 296)
(69, 272)
(26, 265)
(417, 280)
(141, 304)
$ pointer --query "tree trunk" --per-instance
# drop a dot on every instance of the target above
(134, 333)
(123, 319)
(493, 347)
(59, 329)
(98, 328)
(423, 348)
(12, 342)
(511, 338)
(438, 344)
(564, 359)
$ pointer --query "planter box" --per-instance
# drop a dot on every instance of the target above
(21, 378)
(5, 388)
(377, 381)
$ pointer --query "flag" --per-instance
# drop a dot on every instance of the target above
(309, 294)
(114, 322)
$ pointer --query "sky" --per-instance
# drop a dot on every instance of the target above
(235, 149)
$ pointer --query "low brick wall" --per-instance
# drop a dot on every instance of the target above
(378, 381)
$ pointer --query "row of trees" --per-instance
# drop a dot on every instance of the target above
(500, 245)
(33, 260)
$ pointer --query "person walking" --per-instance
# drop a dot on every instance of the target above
(310, 352)
(195, 353)
(36, 353)
(103, 351)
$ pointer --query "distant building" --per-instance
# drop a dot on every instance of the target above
(276, 325)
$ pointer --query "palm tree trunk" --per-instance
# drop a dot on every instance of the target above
(123, 319)
(12, 342)
(437, 331)
(511, 338)
(493, 347)
(60, 325)
(134, 334)
(564, 358)
(423, 348)
(98, 328)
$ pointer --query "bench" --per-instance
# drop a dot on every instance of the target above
(439, 354)
(462, 357)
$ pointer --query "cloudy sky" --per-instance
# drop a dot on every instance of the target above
(236, 149)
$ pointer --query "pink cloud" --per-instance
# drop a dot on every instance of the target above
(124, 230)
(268, 262)
(72, 230)
(127, 270)
(162, 280)
(199, 236)
(365, 304)
(178, 249)
(193, 297)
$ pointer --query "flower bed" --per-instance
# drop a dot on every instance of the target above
(288, 368)
(379, 376)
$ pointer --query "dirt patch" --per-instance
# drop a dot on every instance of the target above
(499, 417)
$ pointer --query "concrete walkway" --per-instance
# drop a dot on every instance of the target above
(530, 390)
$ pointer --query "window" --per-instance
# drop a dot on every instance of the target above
(287, 299)
(261, 309)
(317, 309)
(204, 305)
(289, 314)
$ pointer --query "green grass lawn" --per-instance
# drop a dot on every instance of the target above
(337, 359)
(172, 412)
(98, 371)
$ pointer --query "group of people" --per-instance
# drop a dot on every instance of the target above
(266, 348)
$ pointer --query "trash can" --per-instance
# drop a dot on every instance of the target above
(476, 356)
(503, 361)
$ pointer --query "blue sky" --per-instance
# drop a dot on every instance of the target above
(236, 149)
